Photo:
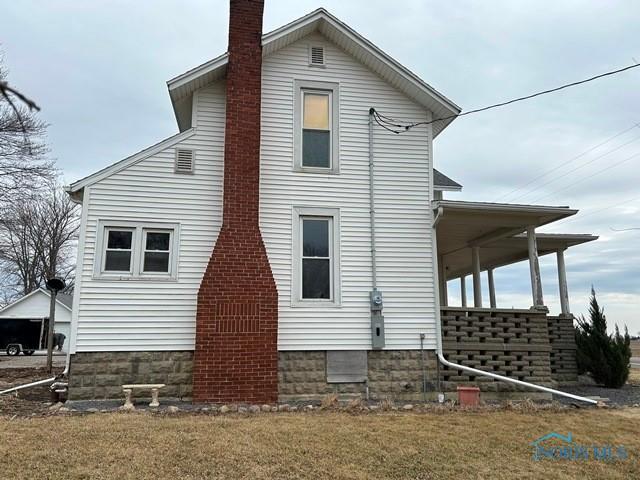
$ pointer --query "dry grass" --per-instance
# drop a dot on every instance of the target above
(491, 445)
(635, 348)
(634, 376)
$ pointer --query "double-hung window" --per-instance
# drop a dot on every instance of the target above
(316, 127)
(316, 273)
(157, 251)
(118, 250)
(134, 251)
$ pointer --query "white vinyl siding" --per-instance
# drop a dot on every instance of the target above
(151, 314)
(403, 217)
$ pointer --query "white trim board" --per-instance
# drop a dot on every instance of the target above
(131, 160)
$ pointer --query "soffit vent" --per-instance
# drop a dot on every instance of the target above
(185, 160)
(316, 55)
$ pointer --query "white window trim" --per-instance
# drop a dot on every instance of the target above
(299, 87)
(105, 248)
(296, 264)
(143, 251)
(137, 254)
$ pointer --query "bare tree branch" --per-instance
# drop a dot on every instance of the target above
(38, 241)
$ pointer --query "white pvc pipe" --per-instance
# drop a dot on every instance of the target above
(475, 371)
(27, 385)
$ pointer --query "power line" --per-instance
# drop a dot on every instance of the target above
(575, 169)
(406, 127)
(593, 212)
(567, 162)
(571, 185)
(623, 229)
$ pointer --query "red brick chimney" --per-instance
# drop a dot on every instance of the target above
(236, 356)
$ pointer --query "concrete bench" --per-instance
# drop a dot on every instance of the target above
(128, 390)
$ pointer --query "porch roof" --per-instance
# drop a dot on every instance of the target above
(511, 250)
(498, 229)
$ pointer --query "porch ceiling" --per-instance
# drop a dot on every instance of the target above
(510, 250)
(497, 229)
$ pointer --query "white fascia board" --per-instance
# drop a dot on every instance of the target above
(316, 16)
(21, 299)
(29, 295)
(390, 61)
(447, 188)
(127, 162)
(509, 207)
(198, 71)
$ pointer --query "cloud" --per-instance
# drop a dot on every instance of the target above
(99, 69)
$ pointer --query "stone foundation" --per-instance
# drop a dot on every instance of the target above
(564, 369)
(100, 375)
(523, 344)
(391, 373)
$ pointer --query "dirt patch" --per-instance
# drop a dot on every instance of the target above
(30, 400)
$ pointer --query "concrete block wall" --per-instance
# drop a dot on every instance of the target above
(513, 343)
(100, 375)
(564, 369)
(391, 373)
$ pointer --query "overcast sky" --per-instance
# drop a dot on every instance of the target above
(98, 70)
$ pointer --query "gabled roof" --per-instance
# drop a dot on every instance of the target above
(75, 189)
(442, 182)
(183, 86)
(62, 299)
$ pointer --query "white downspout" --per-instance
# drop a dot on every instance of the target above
(475, 371)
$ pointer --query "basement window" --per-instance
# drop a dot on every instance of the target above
(316, 255)
(316, 127)
(136, 251)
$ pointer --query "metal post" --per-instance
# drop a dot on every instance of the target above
(562, 282)
(477, 287)
(444, 294)
(534, 268)
(463, 290)
(492, 288)
(52, 319)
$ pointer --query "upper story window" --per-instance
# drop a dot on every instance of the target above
(134, 251)
(316, 127)
(316, 257)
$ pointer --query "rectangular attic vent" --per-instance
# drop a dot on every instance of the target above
(184, 160)
(316, 55)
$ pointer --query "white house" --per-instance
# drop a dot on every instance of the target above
(35, 305)
(242, 259)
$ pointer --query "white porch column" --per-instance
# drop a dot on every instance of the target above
(463, 290)
(492, 288)
(562, 282)
(534, 268)
(477, 288)
(442, 274)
